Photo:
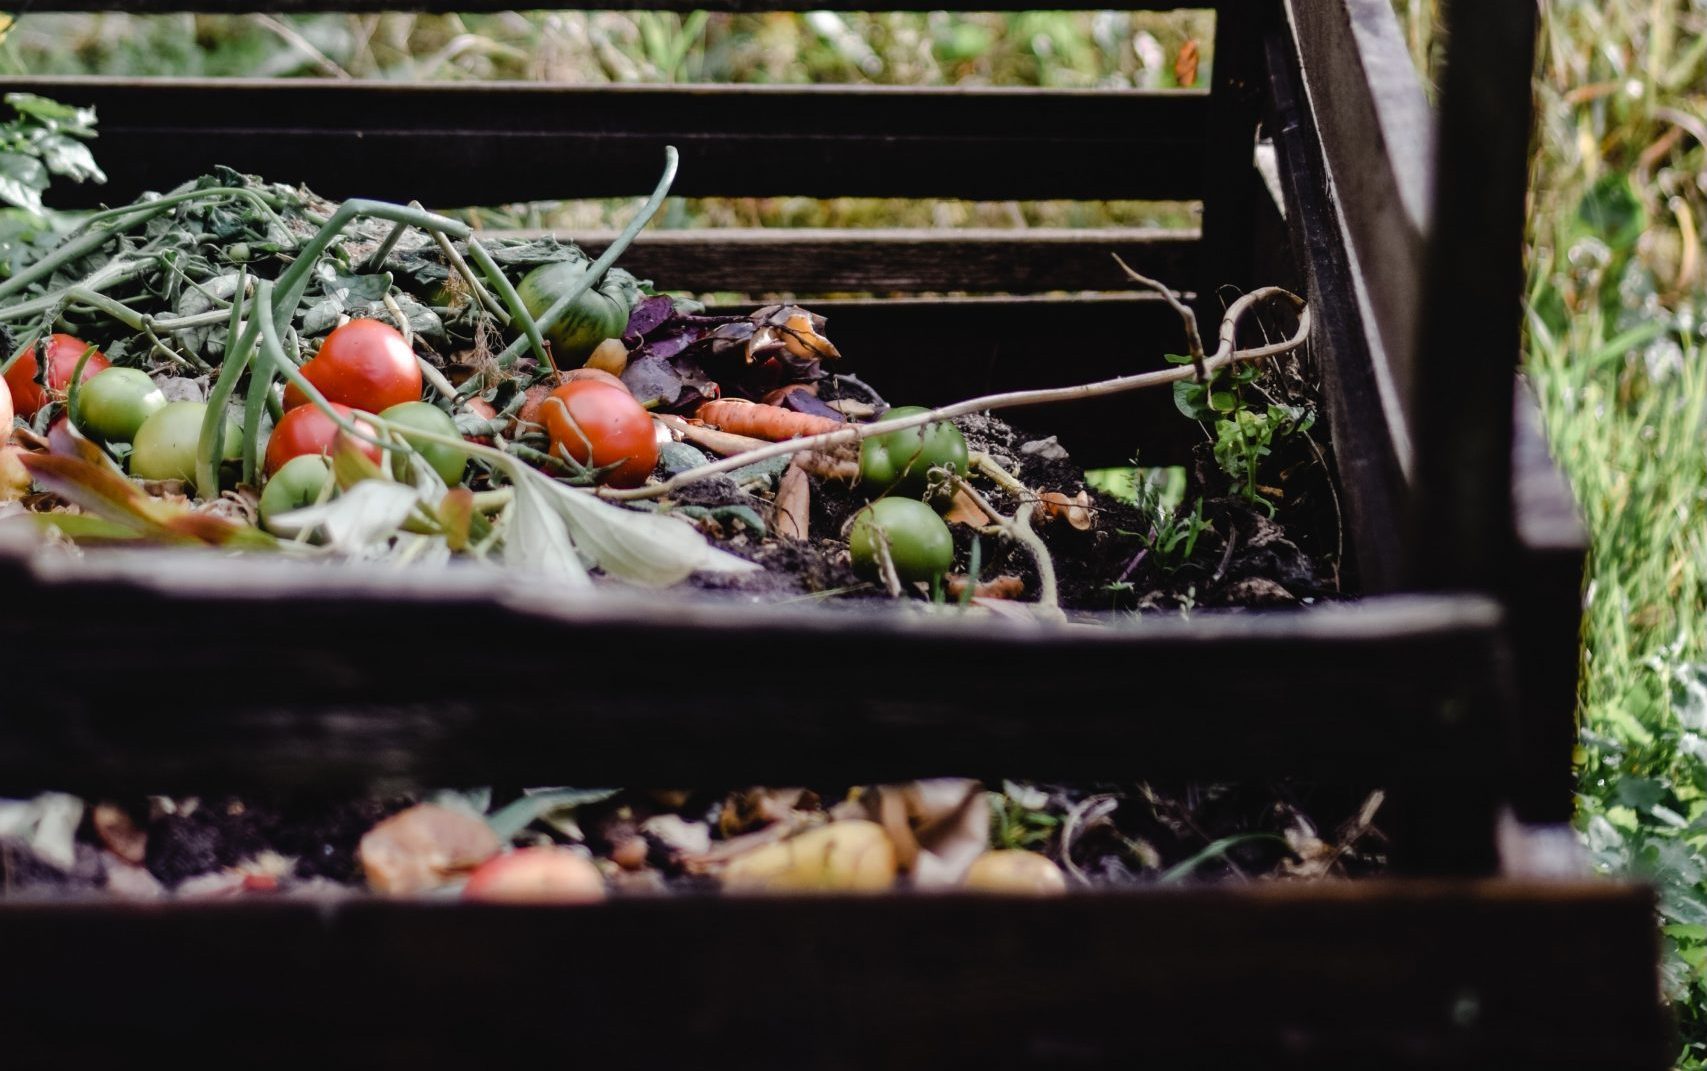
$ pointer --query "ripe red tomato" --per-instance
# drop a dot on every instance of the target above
(589, 413)
(63, 352)
(306, 430)
(366, 365)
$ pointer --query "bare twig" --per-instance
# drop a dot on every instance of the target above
(327, 65)
(1224, 355)
(1018, 528)
(1193, 338)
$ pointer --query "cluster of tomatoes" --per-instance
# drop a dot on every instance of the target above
(363, 367)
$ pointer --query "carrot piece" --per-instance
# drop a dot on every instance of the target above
(770, 422)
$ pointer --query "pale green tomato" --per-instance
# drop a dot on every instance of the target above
(165, 445)
(112, 406)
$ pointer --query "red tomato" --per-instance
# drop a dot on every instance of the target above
(307, 430)
(63, 352)
(589, 413)
(365, 365)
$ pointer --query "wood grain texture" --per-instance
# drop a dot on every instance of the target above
(1376, 133)
(1544, 591)
(1471, 311)
(358, 701)
(485, 143)
(1366, 456)
(1426, 975)
(810, 261)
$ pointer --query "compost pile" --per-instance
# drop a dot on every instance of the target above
(570, 845)
(247, 366)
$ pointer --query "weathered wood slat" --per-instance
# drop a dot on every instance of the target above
(931, 351)
(1376, 134)
(811, 261)
(358, 692)
(1366, 454)
(497, 142)
(1470, 323)
(1544, 591)
(1436, 975)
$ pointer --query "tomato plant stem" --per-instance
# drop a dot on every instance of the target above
(597, 269)
(460, 266)
(519, 315)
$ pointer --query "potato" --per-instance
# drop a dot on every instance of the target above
(851, 856)
(1015, 871)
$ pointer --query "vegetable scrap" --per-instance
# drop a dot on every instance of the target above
(246, 365)
(579, 846)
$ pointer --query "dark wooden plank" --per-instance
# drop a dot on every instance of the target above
(931, 351)
(811, 261)
(308, 676)
(1376, 133)
(1472, 301)
(1366, 454)
(496, 142)
(1231, 183)
(1544, 591)
(1494, 975)
(229, 7)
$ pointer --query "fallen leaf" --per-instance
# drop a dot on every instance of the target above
(119, 833)
(1006, 586)
(1185, 64)
(792, 512)
(967, 511)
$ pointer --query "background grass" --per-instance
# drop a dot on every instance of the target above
(1617, 339)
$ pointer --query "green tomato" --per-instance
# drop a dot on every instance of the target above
(447, 461)
(599, 313)
(165, 445)
(919, 542)
(297, 484)
(112, 406)
(900, 462)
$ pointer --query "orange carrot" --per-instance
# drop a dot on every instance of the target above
(769, 422)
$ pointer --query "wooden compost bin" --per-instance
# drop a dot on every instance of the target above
(1450, 681)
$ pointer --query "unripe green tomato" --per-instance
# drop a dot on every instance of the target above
(165, 445)
(296, 485)
(595, 316)
(899, 463)
(919, 542)
(112, 406)
(447, 461)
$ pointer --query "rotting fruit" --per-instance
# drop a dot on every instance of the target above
(448, 461)
(364, 364)
(308, 430)
(297, 484)
(849, 856)
(1015, 871)
(599, 425)
(63, 353)
(113, 405)
(600, 313)
(900, 462)
(544, 875)
(919, 543)
(166, 444)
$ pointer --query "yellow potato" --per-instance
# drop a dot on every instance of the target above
(851, 856)
(1015, 871)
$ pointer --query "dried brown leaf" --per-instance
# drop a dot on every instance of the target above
(792, 514)
(1185, 64)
